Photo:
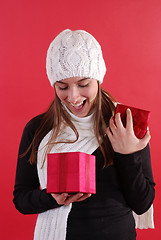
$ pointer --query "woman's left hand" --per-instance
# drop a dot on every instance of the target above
(122, 138)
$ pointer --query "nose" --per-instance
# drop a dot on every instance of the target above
(73, 94)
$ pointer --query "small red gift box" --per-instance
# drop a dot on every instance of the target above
(140, 119)
(71, 172)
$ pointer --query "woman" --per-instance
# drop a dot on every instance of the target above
(80, 119)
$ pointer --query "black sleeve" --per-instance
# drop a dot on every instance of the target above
(136, 179)
(28, 198)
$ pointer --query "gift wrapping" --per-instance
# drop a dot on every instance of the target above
(71, 172)
(140, 119)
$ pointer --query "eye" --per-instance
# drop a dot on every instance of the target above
(63, 88)
(86, 85)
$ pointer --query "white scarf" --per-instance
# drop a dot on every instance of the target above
(52, 224)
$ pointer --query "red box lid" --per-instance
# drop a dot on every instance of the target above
(140, 118)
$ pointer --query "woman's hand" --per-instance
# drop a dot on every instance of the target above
(122, 138)
(66, 199)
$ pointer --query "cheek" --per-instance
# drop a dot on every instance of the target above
(93, 93)
(61, 95)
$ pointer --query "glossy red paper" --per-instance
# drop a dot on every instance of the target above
(140, 119)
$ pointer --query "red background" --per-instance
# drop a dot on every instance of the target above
(130, 34)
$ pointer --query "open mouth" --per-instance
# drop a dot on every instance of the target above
(78, 106)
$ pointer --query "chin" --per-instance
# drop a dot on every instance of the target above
(81, 115)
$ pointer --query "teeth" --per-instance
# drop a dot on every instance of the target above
(76, 105)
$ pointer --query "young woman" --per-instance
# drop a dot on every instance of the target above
(81, 119)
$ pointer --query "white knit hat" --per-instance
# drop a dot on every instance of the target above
(75, 54)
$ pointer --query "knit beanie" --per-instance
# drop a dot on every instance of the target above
(75, 54)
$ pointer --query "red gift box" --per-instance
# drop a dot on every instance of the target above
(140, 119)
(71, 172)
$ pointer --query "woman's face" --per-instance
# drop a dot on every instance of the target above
(78, 94)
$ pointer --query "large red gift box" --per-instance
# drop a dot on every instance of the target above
(140, 119)
(71, 172)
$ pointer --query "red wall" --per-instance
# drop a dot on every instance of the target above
(130, 34)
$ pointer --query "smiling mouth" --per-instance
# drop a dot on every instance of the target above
(79, 105)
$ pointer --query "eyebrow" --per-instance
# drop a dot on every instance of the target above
(67, 83)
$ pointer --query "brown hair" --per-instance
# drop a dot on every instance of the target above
(53, 117)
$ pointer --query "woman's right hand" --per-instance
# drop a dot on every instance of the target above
(66, 199)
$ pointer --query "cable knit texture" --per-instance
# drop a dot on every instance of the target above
(75, 54)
